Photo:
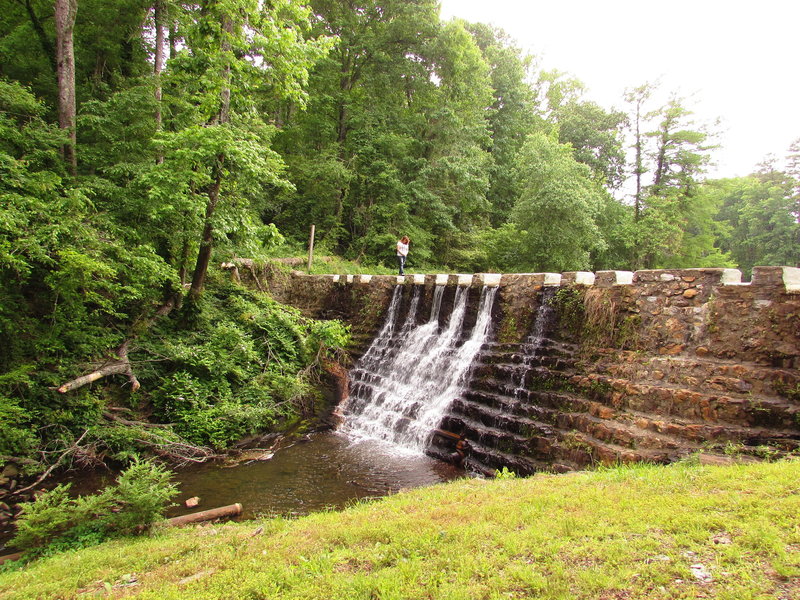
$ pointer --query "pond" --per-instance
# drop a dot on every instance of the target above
(318, 471)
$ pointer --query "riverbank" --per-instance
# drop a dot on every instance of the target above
(682, 531)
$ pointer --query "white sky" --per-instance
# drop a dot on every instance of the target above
(738, 60)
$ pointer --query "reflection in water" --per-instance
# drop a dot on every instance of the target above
(324, 471)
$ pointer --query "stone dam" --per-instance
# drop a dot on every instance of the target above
(560, 371)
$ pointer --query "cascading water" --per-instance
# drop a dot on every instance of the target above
(545, 317)
(406, 380)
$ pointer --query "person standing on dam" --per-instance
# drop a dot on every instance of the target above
(402, 253)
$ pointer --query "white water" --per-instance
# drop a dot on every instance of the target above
(545, 315)
(407, 379)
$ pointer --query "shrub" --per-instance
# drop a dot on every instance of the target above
(55, 519)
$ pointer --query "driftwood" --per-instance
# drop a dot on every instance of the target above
(9, 557)
(120, 365)
(222, 512)
(19, 460)
(145, 424)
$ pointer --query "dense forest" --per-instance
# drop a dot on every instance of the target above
(142, 142)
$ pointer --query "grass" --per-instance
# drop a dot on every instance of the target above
(635, 532)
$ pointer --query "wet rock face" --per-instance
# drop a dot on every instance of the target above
(652, 365)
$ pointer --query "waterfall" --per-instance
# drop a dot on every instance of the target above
(406, 379)
(543, 322)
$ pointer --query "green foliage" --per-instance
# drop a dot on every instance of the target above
(245, 365)
(571, 310)
(556, 214)
(505, 474)
(55, 519)
(758, 218)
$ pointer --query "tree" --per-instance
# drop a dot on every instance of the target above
(557, 211)
(65, 13)
(760, 214)
(512, 117)
(638, 97)
(675, 151)
(234, 50)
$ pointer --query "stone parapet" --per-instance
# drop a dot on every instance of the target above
(668, 282)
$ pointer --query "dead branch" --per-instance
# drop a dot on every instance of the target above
(75, 445)
(121, 365)
(19, 460)
(178, 453)
(121, 421)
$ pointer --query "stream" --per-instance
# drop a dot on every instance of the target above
(320, 471)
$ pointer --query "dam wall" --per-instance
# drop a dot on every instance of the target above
(583, 368)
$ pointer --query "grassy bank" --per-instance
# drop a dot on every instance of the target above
(682, 531)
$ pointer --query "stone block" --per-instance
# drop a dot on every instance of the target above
(577, 278)
(605, 279)
(488, 279)
(786, 277)
(461, 280)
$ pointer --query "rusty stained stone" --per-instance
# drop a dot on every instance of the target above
(672, 350)
(690, 293)
(729, 384)
(702, 351)
(689, 279)
(601, 411)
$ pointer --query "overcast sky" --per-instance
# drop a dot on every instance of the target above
(738, 60)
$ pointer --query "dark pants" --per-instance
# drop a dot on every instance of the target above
(401, 261)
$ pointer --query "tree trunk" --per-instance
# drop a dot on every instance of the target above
(158, 64)
(207, 240)
(65, 13)
(44, 40)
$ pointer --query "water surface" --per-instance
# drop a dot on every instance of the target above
(321, 471)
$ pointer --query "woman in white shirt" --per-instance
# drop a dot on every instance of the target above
(402, 252)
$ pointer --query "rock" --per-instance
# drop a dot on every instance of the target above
(700, 573)
(10, 470)
(192, 502)
(690, 293)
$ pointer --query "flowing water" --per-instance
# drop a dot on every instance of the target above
(401, 388)
(543, 323)
(406, 380)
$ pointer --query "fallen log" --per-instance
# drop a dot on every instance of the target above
(10, 557)
(222, 512)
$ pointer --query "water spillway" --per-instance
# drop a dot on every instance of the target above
(569, 369)
(412, 371)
